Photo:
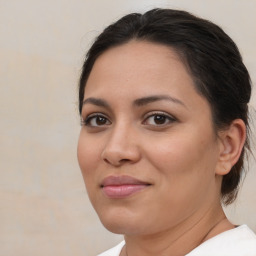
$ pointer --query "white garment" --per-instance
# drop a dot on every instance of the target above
(240, 241)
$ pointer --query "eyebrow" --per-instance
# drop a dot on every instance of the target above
(150, 99)
(96, 101)
(138, 102)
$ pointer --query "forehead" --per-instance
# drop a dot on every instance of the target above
(144, 63)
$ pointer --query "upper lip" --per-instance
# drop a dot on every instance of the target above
(122, 180)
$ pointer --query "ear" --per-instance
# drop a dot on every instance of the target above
(231, 144)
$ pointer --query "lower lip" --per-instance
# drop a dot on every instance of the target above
(122, 191)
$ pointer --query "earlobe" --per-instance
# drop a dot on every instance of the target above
(232, 141)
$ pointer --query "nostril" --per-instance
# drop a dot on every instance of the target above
(124, 160)
(117, 162)
(116, 154)
(106, 160)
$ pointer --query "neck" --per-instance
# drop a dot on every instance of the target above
(181, 239)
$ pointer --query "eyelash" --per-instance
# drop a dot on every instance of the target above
(168, 117)
(88, 119)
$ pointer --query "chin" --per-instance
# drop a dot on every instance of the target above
(121, 222)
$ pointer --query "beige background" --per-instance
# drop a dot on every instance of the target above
(44, 208)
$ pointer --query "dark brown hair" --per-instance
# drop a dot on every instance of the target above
(211, 57)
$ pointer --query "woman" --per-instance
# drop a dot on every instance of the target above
(163, 101)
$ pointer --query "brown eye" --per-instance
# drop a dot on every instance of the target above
(96, 121)
(158, 119)
(100, 120)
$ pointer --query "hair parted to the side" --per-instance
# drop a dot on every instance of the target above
(211, 57)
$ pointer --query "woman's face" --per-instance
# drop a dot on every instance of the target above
(147, 148)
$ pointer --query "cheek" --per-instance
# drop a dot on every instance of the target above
(185, 176)
(88, 156)
(171, 153)
(184, 156)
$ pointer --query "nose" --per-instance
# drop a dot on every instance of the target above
(121, 147)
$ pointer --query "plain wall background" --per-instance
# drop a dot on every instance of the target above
(44, 208)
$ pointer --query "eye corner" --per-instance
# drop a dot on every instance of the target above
(82, 122)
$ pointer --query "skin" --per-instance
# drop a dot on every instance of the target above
(182, 157)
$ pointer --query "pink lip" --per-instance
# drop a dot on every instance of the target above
(122, 186)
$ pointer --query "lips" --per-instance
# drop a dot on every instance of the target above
(122, 186)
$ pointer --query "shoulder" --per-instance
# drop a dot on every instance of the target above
(240, 241)
(115, 251)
